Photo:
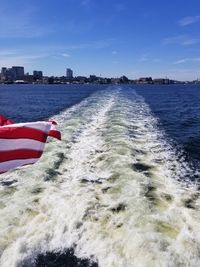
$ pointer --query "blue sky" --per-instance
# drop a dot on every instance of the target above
(135, 38)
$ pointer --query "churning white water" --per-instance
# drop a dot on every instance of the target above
(110, 190)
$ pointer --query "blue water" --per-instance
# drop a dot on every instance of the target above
(176, 106)
(119, 190)
(178, 110)
(23, 103)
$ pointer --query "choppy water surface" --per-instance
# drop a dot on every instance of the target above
(118, 190)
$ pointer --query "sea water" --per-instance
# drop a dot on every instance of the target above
(122, 187)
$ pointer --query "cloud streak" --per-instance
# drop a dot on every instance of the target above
(185, 60)
(188, 20)
(21, 24)
(145, 58)
(27, 55)
(184, 40)
(10, 58)
(65, 55)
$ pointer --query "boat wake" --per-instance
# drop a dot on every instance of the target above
(113, 193)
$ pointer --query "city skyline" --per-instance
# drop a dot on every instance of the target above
(133, 38)
(17, 74)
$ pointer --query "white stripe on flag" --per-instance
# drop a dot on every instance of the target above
(41, 125)
(12, 164)
(16, 151)
(13, 144)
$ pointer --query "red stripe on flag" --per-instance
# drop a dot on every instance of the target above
(13, 157)
(19, 154)
(55, 134)
(5, 121)
(22, 132)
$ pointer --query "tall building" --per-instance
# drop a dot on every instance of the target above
(18, 72)
(37, 74)
(3, 73)
(3, 70)
(7, 74)
(69, 73)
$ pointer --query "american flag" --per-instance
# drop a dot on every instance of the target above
(23, 143)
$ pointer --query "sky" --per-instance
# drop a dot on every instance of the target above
(108, 38)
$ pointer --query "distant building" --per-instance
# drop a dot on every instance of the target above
(7, 74)
(161, 81)
(93, 78)
(124, 79)
(145, 80)
(29, 78)
(3, 73)
(37, 75)
(18, 72)
(69, 74)
(80, 79)
(115, 80)
(3, 70)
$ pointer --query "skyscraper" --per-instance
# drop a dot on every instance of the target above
(37, 74)
(18, 72)
(69, 74)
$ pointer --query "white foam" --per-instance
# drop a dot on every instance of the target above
(114, 194)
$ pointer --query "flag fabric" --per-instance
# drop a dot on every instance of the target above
(23, 143)
(4, 121)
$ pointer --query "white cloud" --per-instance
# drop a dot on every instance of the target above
(188, 20)
(65, 55)
(7, 53)
(180, 61)
(181, 40)
(196, 59)
(10, 58)
(21, 23)
(114, 52)
(184, 60)
(144, 58)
